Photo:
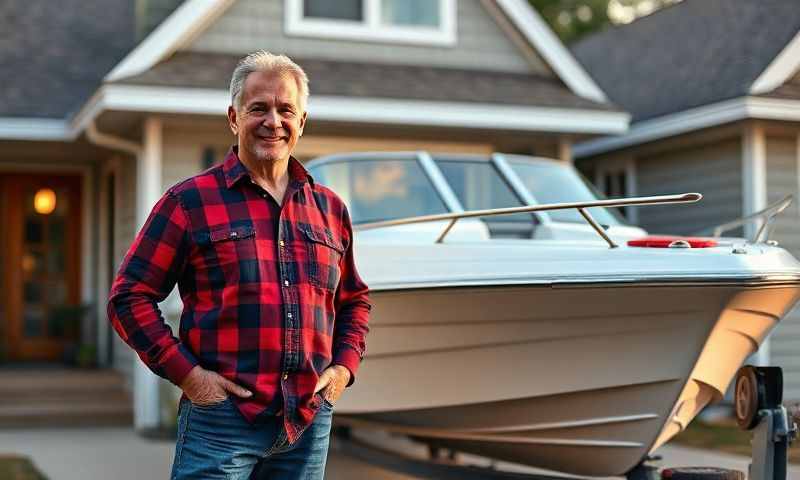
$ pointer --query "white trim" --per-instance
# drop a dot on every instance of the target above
(530, 23)
(179, 29)
(465, 115)
(781, 69)
(371, 28)
(694, 119)
(376, 110)
(20, 128)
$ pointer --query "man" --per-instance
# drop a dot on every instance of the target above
(275, 314)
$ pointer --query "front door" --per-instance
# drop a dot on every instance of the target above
(40, 230)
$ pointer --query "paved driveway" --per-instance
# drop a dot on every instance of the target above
(120, 454)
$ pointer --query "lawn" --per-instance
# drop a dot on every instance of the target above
(15, 467)
(724, 437)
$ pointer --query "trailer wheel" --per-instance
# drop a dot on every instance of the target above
(746, 398)
(701, 473)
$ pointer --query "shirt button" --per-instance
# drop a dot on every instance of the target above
(234, 234)
(286, 282)
(289, 314)
(282, 243)
(285, 376)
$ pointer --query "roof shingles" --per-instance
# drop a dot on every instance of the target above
(690, 54)
(212, 70)
(53, 55)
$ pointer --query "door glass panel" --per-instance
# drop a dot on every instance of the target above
(44, 268)
(33, 321)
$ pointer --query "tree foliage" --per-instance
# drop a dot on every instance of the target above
(572, 19)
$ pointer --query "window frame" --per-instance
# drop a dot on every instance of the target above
(371, 29)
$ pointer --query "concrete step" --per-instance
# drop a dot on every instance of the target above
(56, 397)
(86, 414)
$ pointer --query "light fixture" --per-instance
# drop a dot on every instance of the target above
(44, 202)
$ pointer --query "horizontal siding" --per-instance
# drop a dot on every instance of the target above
(251, 25)
(782, 180)
(713, 170)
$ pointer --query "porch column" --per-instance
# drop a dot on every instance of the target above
(148, 191)
(754, 194)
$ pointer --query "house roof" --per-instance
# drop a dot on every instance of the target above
(691, 54)
(369, 80)
(54, 57)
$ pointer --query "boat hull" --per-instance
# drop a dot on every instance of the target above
(585, 378)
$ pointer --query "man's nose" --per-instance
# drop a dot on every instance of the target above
(272, 119)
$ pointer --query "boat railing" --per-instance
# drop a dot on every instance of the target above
(453, 217)
(765, 229)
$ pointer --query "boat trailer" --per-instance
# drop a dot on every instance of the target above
(758, 408)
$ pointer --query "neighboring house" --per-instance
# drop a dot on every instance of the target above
(110, 109)
(714, 90)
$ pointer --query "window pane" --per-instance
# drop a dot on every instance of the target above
(377, 190)
(479, 186)
(339, 9)
(553, 183)
(410, 12)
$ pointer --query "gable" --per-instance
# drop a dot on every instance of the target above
(481, 42)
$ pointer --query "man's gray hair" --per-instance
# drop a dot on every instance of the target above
(263, 61)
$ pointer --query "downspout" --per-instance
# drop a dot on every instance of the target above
(101, 139)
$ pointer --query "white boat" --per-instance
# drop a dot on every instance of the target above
(551, 349)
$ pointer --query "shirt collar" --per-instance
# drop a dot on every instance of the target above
(234, 170)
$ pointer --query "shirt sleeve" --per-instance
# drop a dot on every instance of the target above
(352, 309)
(148, 274)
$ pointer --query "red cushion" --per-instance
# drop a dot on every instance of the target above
(663, 241)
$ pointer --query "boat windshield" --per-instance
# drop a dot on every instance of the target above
(479, 186)
(381, 189)
(549, 182)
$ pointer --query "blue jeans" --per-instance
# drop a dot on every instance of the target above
(216, 442)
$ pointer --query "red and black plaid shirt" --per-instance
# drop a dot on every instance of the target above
(270, 292)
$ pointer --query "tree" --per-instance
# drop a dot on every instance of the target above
(572, 19)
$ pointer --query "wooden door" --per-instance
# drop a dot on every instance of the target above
(40, 217)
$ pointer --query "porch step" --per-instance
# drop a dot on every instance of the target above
(47, 397)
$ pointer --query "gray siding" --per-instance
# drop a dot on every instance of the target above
(782, 180)
(251, 25)
(715, 170)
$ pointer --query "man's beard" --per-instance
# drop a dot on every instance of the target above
(263, 155)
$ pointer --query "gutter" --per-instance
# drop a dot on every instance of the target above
(112, 142)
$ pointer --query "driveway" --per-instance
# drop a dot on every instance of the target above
(120, 454)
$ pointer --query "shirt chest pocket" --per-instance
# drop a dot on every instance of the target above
(229, 254)
(323, 256)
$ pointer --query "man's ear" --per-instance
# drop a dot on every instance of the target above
(232, 120)
(303, 123)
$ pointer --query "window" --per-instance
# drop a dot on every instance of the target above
(616, 179)
(479, 186)
(430, 22)
(376, 190)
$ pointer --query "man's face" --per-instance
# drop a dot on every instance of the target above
(269, 121)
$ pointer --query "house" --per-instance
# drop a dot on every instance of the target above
(713, 87)
(101, 113)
